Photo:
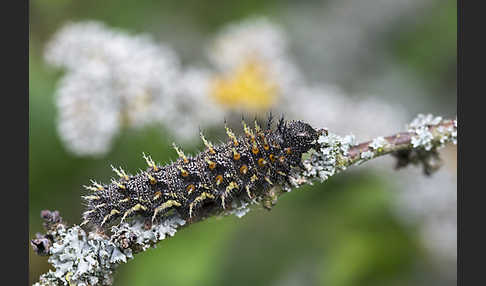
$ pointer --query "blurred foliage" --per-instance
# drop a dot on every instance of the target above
(338, 233)
(417, 47)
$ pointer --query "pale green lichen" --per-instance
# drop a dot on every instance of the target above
(378, 144)
(89, 259)
(447, 133)
(239, 209)
(366, 155)
(330, 158)
(81, 260)
(420, 126)
(144, 237)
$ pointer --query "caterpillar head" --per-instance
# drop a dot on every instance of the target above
(299, 135)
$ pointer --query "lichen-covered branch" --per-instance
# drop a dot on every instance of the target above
(90, 258)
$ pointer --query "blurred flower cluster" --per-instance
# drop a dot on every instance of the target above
(114, 80)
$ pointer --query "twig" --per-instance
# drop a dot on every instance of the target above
(90, 258)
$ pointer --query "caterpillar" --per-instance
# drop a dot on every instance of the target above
(243, 167)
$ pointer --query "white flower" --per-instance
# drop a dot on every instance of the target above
(256, 38)
(76, 43)
(112, 80)
(253, 64)
(88, 113)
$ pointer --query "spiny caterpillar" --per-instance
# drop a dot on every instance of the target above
(243, 167)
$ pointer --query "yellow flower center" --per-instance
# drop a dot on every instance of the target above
(247, 88)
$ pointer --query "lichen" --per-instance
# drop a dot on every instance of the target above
(429, 139)
(89, 259)
(424, 120)
(366, 155)
(240, 208)
(420, 126)
(378, 144)
(144, 237)
(330, 158)
(82, 259)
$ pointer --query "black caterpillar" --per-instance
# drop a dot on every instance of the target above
(243, 167)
